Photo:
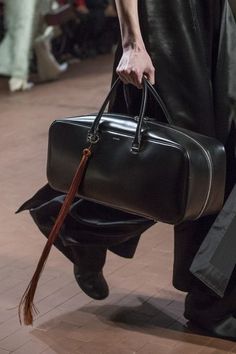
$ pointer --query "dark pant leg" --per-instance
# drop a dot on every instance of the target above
(90, 258)
(189, 235)
(93, 257)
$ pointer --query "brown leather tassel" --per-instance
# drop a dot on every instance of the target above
(26, 304)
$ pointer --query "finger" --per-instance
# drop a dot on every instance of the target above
(124, 79)
(140, 79)
(128, 76)
(150, 74)
(136, 79)
(122, 76)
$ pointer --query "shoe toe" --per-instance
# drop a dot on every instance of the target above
(213, 320)
(224, 328)
(93, 284)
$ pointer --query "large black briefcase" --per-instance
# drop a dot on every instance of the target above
(151, 169)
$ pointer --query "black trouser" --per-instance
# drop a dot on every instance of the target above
(90, 258)
(189, 235)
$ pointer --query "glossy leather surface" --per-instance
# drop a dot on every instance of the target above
(167, 180)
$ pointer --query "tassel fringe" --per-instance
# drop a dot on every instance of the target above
(27, 309)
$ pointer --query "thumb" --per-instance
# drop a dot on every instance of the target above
(150, 75)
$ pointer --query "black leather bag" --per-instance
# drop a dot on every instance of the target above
(155, 170)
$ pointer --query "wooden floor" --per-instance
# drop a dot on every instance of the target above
(143, 313)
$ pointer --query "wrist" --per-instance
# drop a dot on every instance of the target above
(133, 43)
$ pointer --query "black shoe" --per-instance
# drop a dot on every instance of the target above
(93, 284)
(210, 317)
(224, 328)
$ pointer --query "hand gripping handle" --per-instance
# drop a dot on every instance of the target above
(93, 135)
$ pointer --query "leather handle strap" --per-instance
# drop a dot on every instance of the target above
(148, 88)
(138, 134)
(93, 135)
(159, 100)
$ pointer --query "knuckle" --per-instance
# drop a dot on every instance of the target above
(127, 71)
(134, 70)
(151, 70)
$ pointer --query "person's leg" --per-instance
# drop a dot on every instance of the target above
(89, 261)
(188, 237)
(21, 33)
(88, 270)
(6, 43)
(202, 305)
(88, 231)
(47, 66)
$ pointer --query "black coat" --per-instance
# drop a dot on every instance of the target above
(192, 44)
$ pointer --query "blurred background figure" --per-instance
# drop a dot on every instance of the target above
(16, 45)
(23, 28)
(48, 16)
(40, 36)
(95, 30)
(1, 21)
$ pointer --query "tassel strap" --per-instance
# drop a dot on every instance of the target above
(27, 309)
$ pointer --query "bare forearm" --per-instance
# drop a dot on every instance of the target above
(129, 23)
(135, 61)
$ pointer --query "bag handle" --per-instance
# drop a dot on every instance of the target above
(93, 134)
